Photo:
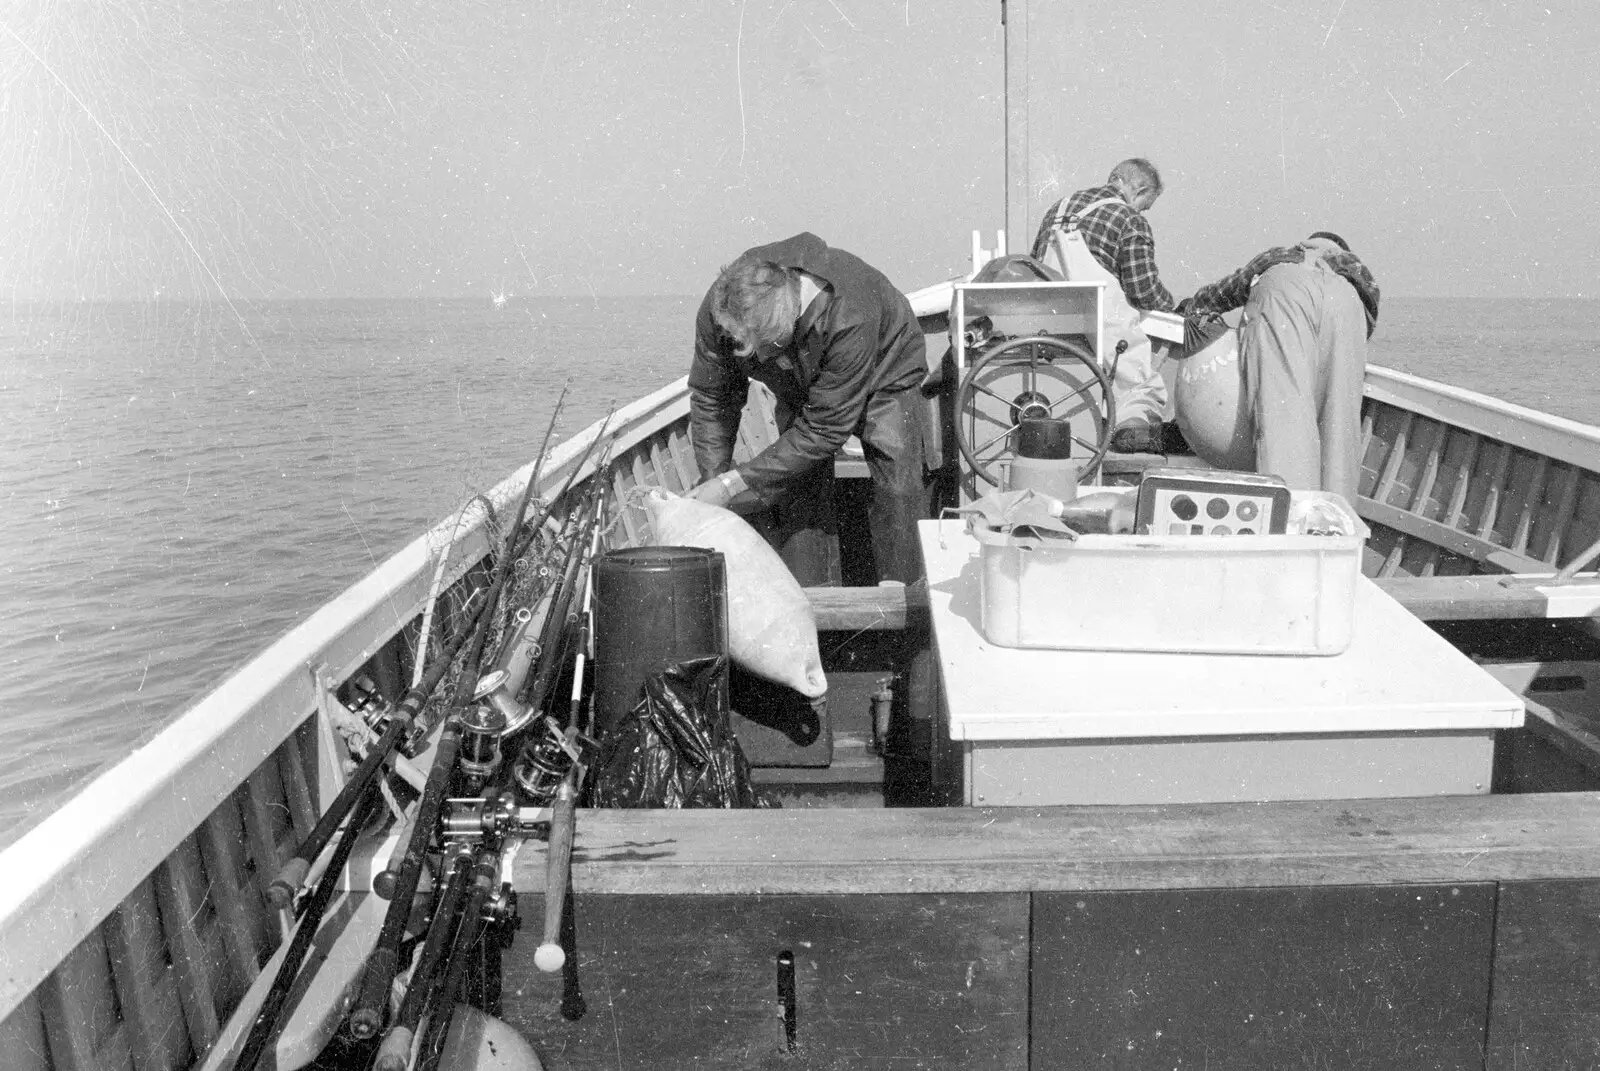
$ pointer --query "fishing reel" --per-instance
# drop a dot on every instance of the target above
(479, 757)
(365, 701)
(545, 760)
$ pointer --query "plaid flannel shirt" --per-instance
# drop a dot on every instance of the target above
(1224, 295)
(1120, 239)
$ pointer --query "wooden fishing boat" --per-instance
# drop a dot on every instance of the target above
(1394, 929)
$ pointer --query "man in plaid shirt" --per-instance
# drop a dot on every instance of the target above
(1110, 218)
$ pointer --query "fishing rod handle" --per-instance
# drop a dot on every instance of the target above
(367, 1016)
(292, 875)
(388, 879)
(441, 930)
(395, 1052)
(550, 956)
(443, 998)
(266, 1020)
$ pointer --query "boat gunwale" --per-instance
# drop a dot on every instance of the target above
(72, 870)
(1555, 437)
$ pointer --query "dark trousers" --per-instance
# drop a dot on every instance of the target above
(803, 526)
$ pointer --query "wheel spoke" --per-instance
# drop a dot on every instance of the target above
(996, 439)
(999, 398)
(976, 412)
(1074, 394)
(1093, 448)
(992, 458)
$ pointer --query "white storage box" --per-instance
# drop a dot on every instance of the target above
(1259, 594)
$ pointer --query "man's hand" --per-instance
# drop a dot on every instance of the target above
(719, 490)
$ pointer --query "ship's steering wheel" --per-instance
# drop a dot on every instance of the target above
(989, 377)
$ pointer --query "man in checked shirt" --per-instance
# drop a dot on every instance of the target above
(1110, 221)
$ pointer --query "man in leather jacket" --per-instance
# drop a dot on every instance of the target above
(839, 347)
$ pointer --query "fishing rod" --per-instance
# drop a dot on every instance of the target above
(293, 874)
(577, 469)
(395, 1050)
(550, 956)
(534, 639)
(383, 964)
(367, 1016)
(469, 673)
(316, 907)
(558, 622)
(474, 920)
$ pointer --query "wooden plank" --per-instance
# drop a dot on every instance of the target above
(1545, 1010)
(1555, 522)
(621, 483)
(642, 475)
(1375, 551)
(1444, 460)
(150, 1007)
(1391, 561)
(1009, 849)
(1465, 598)
(181, 898)
(1450, 539)
(1533, 501)
(921, 981)
(259, 797)
(1420, 558)
(863, 609)
(296, 786)
(1369, 411)
(1423, 500)
(219, 840)
(1584, 527)
(683, 456)
(80, 1013)
(1494, 490)
(1465, 470)
(1389, 977)
(1397, 458)
(22, 1041)
(665, 472)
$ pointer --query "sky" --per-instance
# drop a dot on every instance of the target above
(407, 148)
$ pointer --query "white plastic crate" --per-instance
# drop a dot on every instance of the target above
(1258, 594)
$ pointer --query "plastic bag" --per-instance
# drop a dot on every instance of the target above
(1004, 511)
(771, 630)
(676, 747)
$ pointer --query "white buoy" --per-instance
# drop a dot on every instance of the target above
(1210, 405)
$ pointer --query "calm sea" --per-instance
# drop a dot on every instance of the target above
(181, 484)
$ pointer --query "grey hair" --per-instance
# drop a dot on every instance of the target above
(756, 302)
(1137, 175)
